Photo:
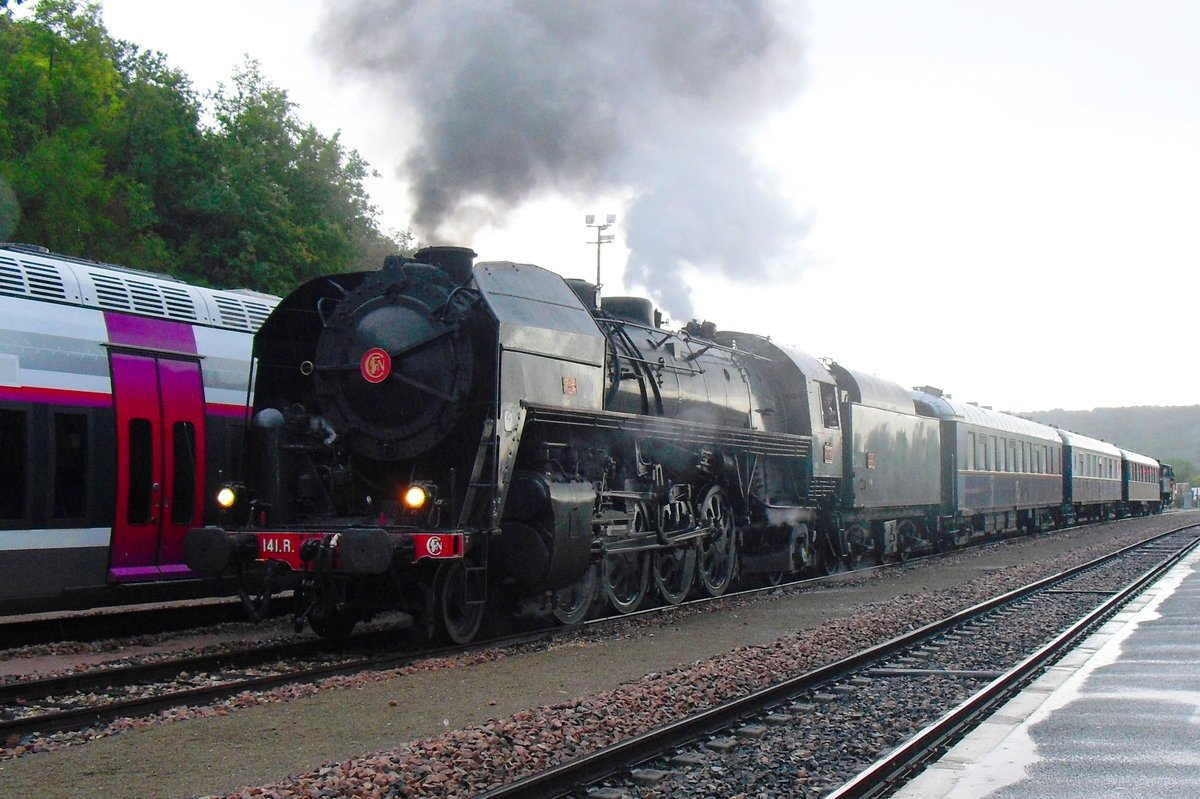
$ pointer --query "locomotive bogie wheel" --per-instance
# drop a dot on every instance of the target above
(625, 577)
(572, 603)
(907, 539)
(717, 553)
(857, 546)
(332, 625)
(256, 586)
(674, 570)
(456, 619)
(828, 557)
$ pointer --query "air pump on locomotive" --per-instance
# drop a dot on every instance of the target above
(449, 438)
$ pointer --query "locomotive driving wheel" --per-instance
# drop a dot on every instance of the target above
(625, 576)
(572, 603)
(717, 553)
(674, 569)
(457, 616)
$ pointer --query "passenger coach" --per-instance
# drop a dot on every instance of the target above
(122, 398)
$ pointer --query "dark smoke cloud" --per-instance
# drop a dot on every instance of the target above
(500, 102)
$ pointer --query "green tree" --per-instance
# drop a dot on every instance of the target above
(157, 145)
(57, 99)
(103, 154)
(283, 202)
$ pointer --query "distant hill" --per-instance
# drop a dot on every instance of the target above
(1171, 434)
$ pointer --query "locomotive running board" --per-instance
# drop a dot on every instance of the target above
(676, 430)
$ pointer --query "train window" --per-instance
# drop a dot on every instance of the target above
(995, 453)
(141, 471)
(70, 465)
(183, 481)
(829, 412)
(970, 451)
(1002, 455)
(14, 449)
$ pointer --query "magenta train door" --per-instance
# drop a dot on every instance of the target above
(160, 464)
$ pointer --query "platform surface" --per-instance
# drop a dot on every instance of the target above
(1118, 717)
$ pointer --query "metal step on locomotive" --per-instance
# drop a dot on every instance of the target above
(453, 439)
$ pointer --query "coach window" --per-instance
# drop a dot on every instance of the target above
(183, 481)
(14, 450)
(70, 465)
(970, 452)
(996, 454)
(141, 471)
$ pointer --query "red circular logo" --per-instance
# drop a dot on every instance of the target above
(376, 365)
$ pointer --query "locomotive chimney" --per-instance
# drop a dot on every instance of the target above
(454, 261)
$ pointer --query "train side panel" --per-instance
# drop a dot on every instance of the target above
(893, 456)
(98, 486)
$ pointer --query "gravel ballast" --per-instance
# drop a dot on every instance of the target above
(456, 726)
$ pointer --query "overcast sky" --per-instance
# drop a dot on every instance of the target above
(1000, 198)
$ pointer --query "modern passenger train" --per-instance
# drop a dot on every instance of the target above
(122, 403)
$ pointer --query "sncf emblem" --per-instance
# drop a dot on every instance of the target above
(437, 545)
(569, 386)
(376, 365)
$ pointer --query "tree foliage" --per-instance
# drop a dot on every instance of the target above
(103, 153)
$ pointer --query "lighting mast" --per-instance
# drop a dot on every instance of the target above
(601, 238)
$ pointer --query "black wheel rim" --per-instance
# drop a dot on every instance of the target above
(460, 619)
(571, 604)
(718, 552)
(674, 570)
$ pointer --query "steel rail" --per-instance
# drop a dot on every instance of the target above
(905, 761)
(78, 718)
(560, 779)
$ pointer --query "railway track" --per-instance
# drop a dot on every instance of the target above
(825, 732)
(81, 699)
(97, 696)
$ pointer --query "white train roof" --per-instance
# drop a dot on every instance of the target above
(1079, 441)
(946, 408)
(49, 277)
(1134, 457)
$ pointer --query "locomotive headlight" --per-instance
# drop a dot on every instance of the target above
(418, 496)
(226, 496)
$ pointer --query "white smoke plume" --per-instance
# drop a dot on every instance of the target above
(501, 101)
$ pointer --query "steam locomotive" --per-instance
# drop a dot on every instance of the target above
(451, 438)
